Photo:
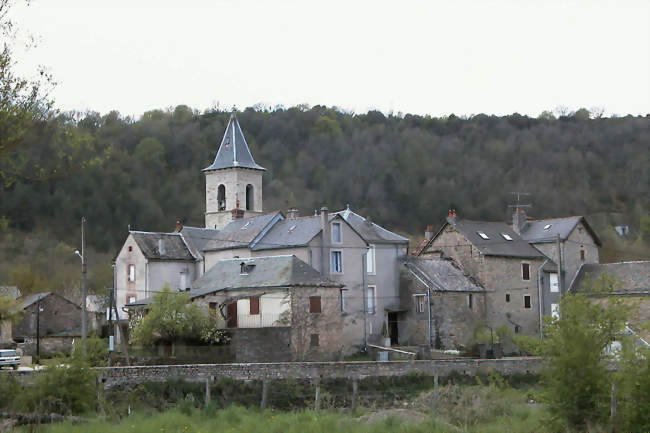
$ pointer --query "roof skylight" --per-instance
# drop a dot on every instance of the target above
(245, 226)
(292, 228)
(547, 226)
(506, 236)
(483, 235)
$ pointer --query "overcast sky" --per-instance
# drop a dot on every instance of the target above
(425, 57)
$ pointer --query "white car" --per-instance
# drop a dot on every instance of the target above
(9, 358)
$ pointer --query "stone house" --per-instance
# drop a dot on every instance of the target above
(632, 285)
(278, 308)
(509, 269)
(442, 307)
(343, 246)
(53, 318)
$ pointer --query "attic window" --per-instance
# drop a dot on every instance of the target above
(245, 226)
(483, 235)
(292, 228)
(547, 226)
(506, 236)
(245, 268)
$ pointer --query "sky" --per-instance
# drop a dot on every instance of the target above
(421, 57)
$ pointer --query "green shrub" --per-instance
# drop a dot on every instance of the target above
(96, 351)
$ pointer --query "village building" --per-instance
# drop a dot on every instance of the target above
(277, 308)
(343, 246)
(6, 335)
(630, 283)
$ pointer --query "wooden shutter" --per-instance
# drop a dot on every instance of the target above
(232, 315)
(525, 271)
(255, 305)
(314, 304)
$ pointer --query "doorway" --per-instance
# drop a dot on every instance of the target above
(392, 329)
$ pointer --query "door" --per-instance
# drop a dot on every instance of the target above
(232, 315)
(392, 329)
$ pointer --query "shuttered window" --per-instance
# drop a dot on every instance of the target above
(525, 271)
(255, 305)
(314, 304)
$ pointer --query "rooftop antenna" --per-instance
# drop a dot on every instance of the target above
(519, 205)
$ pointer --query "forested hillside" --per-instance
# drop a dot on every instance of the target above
(404, 171)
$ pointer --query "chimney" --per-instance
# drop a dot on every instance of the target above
(292, 213)
(237, 214)
(518, 220)
(161, 247)
(451, 215)
(179, 227)
(325, 241)
(428, 233)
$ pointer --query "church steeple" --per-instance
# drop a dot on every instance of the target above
(233, 151)
(233, 183)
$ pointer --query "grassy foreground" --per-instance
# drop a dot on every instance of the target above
(456, 409)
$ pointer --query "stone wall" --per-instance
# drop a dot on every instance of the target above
(50, 346)
(262, 344)
(115, 376)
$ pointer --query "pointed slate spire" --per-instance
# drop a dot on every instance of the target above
(233, 151)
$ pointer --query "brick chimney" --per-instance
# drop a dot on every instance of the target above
(237, 213)
(325, 242)
(428, 233)
(451, 215)
(518, 220)
(292, 213)
(179, 227)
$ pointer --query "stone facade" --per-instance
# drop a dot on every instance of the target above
(235, 181)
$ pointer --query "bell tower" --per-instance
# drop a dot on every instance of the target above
(233, 183)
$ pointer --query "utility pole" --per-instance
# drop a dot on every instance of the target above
(38, 332)
(83, 285)
(560, 281)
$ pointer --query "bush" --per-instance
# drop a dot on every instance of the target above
(96, 352)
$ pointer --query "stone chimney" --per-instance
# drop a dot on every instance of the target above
(325, 242)
(179, 227)
(451, 215)
(237, 213)
(428, 233)
(518, 220)
(292, 213)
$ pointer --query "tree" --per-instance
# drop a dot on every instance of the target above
(171, 318)
(9, 309)
(577, 375)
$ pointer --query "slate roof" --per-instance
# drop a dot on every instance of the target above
(441, 275)
(369, 231)
(233, 151)
(534, 230)
(633, 276)
(289, 233)
(174, 247)
(240, 233)
(197, 238)
(264, 273)
(28, 300)
(497, 244)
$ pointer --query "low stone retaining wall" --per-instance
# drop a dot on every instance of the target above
(115, 376)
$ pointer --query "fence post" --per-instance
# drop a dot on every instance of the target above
(207, 391)
(435, 387)
(265, 393)
(613, 403)
(355, 392)
(317, 397)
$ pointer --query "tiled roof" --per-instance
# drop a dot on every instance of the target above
(634, 277)
(546, 230)
(240, 233)
(173, 246)
(369, 231)
(28, 300)
(10, 291)
(233, 151)
(292, 232)
(197, 238)
(441, 275)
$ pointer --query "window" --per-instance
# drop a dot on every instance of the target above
(243, 269)
(525, 271)
(130, 299)
(554, 283)
(309, 257)
(254, 305)
(313, 340)
(221, 197)
(420, 301)
(131, 273)
(314, 304)
(483, 235)
(370, 299)
(526, 301)
(582, 255)
(343, 299)
(245, 226)
(555, 311)
(506, 236)
(249, 197)
(130, 248)
(547, 227)
(507, 297)
(336, 262)
(336, 233)
(470, 301)
(370, 260)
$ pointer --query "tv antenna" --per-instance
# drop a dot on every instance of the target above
(519, 205)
